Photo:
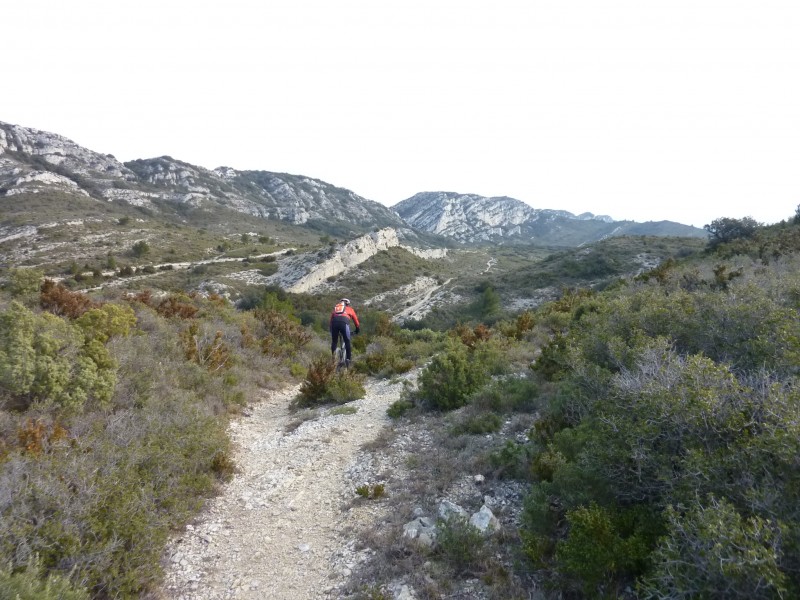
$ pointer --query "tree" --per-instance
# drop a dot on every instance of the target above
(725, 229)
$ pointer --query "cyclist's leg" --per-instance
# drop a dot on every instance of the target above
(334, 338)
(348, 348)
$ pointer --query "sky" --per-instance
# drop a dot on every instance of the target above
(638, 109)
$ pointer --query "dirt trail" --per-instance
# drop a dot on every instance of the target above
(282, 528)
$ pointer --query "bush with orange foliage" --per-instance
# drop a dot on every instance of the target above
(35, 436)
(59, 300)
(213, 355)
(470, 337)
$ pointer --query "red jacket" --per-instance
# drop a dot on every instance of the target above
(344, 311)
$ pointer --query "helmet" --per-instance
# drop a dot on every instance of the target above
(346, 301)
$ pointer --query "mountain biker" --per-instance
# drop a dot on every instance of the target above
(341, 316)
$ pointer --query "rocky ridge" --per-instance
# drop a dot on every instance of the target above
(34, 161)
(307, 273)
(469, 218)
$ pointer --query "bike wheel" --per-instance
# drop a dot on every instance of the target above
(339, 358)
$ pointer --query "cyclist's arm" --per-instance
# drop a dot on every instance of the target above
(352, 314)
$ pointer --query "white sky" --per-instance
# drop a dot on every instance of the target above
(642, 110)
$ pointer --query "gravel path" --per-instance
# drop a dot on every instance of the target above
(283, 528)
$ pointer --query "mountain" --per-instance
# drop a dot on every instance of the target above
(45, 177)
(33, 161)
(469, 218)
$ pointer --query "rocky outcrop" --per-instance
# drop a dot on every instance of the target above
(33, 161)
(300, 277)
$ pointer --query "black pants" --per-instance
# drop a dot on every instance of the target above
(339, 328)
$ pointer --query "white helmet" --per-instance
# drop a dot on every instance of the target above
(346, 301)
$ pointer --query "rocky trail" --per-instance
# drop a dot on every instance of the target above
(283, 528)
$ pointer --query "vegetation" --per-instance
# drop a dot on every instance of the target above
(113, 414)
(653, 420)
(662, 462)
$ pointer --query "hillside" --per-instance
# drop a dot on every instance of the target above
(648, 416)
(473, 219)
(36, 162)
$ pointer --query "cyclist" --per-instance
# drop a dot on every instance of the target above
(341, 316)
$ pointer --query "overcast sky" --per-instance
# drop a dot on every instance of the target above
(638, 109)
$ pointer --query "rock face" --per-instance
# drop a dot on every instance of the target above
(468, 218)
(307, 272)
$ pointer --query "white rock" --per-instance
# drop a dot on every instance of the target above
(485, 521)
(448, 509)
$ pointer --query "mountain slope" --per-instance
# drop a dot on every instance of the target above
(469, 218)
(33, 162)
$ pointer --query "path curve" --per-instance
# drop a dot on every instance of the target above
(283, 527)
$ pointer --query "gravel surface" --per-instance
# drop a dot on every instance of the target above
(285, 526)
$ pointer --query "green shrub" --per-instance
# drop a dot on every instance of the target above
(383, 358)
(460, 545)
(479, 424)
(345, 386)
(451, 378)
(595, 555)
(313, 390)
(24, 284)
(47, 359)
(398, 408)
(511, 461)
(377, 491)
(140, 248)
(713, 552)
(297, 370)
(511, 394)
(34, 583)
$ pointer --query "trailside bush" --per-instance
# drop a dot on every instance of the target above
(479, 424)
(346, 386)
(460, 545)
(595, 553)
(712, 551)
(24, 284)
(314, 387)
(47, 359)
(323, 384)
(383, 358)
(94, 493)
(451, 377)
(103, 504)
(665, 457)
(398, 408)
(32, 583)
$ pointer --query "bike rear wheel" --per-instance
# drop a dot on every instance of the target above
(340, 357)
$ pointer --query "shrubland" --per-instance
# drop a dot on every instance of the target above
(652, 420)
(113, 417)
(661, 460)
